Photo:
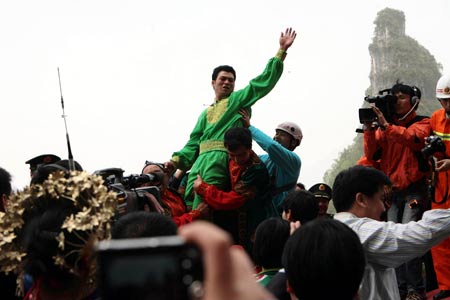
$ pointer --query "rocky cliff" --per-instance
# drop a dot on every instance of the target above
(394, 56)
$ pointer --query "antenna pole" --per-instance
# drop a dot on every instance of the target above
(71, 161)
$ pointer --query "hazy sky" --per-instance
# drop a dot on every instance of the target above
(136, 74)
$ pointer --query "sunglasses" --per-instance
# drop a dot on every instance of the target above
(443, 99)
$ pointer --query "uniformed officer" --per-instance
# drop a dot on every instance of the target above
(322, 192)
(40, 160)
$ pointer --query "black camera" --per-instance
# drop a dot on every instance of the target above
(131, 194)
(134, 180)
(434, 144)
(385, 102)
(150, 268)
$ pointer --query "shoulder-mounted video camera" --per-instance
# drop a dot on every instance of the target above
(385, 102)
(129, 189)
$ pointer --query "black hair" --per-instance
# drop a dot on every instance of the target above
(412, 91)
(42, 225)
(301, 186)
(143, 224)
(5, 182)
(405, 89)
(303, 206)
(270, 237)
(324, 260)
(354, 180)
(238, 137)
(224, 68)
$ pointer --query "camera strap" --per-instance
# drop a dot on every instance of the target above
(432, 185)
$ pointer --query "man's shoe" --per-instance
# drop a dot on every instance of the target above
(442, 294)
(416, 295)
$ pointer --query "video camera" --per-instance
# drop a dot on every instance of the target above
(385, 102)
(129, 189)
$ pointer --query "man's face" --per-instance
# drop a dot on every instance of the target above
(241, 155)
(445, 103)
(323, 206)
(223, 85)
(154, 169)
(403, 104)
(375, 205)
(285, 139)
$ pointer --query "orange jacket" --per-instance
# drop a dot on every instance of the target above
(400, 147)
(440, 126)
(441, 253)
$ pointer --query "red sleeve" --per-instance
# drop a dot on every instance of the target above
(371, 143)
(412, 137)
(186, 218)
(219, 199)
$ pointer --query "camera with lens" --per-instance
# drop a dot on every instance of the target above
(130, 191)
(385, 102)
(434, 144)
(164, 268)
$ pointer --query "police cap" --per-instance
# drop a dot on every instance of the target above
(42, 160)
(321, 190)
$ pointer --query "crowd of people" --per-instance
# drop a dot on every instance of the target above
(262, 235)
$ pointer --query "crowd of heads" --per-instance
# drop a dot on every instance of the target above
(61, 215)
(49, 229)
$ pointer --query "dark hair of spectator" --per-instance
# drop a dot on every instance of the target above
(354, 180)
(5, 182)
(270, 237)
(143, 224)
(238, 137)
(324, 260)
(224, 68)
(300, 186)
(42, 226)
(303, 206)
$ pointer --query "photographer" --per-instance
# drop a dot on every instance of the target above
(172, 200)
(440, 124)
(395, 148)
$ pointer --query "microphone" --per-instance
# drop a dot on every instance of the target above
(412, 108)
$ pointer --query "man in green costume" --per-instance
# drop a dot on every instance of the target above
(204, 153)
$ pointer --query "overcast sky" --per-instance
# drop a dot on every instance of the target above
(136, 74)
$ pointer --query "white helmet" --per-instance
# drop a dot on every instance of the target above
(443, 87)
(293, 129)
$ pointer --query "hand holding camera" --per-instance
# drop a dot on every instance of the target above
(228, 270)
(381, 112)
(372, 118)
(443, 165)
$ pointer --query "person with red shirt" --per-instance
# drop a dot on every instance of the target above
(394, 148)
(172, 200)
(240, 210)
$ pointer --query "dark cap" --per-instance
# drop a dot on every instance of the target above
(42, 160)
(321, 190)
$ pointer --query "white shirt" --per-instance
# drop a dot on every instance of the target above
(388, 245)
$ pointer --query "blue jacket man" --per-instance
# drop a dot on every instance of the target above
(282, 163)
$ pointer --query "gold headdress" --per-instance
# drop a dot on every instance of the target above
(92, 204)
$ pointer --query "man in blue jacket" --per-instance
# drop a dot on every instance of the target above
(281, 161)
